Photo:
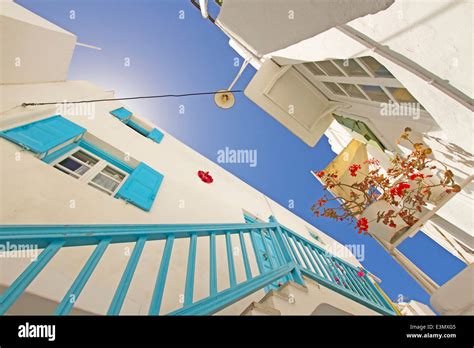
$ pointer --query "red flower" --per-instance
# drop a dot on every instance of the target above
(321, 202)
(205, 177)
(320, 174)
(361, 273)
(354, 168)
(416, 176)
(399, 190)
(362, 225)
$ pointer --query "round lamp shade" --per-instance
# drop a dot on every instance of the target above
(224, 99)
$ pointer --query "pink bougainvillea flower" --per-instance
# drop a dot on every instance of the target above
(354, 168)
(362, 225)
(361, 273)
(205, 177)
(416, 176)
(320, 174)
(399, 190)
(321, 202)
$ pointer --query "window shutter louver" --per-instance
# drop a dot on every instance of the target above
(43, 135)
(141, 187)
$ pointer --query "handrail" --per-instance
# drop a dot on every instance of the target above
(335, 273)
(292, 257)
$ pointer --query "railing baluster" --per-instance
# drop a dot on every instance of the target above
(286, 252)
(305, 247)
(324, 268)
(373, 291)
(10, 295)
(354, 281)
(318, 262)
(291, 248)
(76, 288)
(213, 267)
(230, 260)
(189, 288)
(245, 257)
(369, 294)
(258, 257)
(161, 277)
(298, 246)
(344, 275)
(127, 276)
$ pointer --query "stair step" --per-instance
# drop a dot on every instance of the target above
(256, 308)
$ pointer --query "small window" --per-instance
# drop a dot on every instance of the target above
(137, 125)
(375, 93)
(350, 67)
(375, 67)
(334, 88)
(329, 68)
(352, 90)
(95, 171)
(314, 69)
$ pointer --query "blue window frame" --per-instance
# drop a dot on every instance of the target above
(126, 117)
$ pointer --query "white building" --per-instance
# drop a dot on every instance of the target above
(103, 212)
(366, 70)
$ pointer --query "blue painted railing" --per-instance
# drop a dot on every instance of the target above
(296, 257)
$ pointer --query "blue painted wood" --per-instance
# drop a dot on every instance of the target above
(127, 276)
(258, 256)
(321, 264)
(189, 287)
(213, 266)
(308, 256)
(248, 272)
(230, 260)
(157, 296)
(379, 298)
(141, 187)
(105, 155)
(286, 251)
(354, 281)
(43, 135)
(213, 304)
(10, 295)
(78, 285)
(122, 114)
(156, 135)
(302, 256)
(331, 285)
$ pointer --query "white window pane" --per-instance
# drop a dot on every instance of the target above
(84, 157)
(113, 173)
(74, 166)
(105, 182)
(329, 68)
(352, 90)
(375, 93)
(314, 69)
(378, 69)
(334, 88)
(350, 67)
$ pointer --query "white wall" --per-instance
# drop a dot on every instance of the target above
(32, 192)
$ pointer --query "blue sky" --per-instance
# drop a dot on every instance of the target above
(168, 54)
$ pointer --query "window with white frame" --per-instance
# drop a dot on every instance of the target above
(362, 79)
(93, 170)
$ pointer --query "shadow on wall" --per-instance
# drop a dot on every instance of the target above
(327, 309)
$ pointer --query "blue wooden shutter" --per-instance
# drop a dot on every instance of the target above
(122, 114)
(141, 187)
(43, 135)
(156, 135)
